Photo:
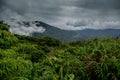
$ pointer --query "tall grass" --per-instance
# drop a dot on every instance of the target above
(28, 58)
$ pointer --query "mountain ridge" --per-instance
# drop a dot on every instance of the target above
(68, 35)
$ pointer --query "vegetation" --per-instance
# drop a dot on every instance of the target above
(29, 58)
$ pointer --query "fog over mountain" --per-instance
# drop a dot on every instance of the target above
(65, 14)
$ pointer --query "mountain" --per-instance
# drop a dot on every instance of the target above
(75, 34)
(41, 29)
(51, 31)
(103, 32)
(64, 35)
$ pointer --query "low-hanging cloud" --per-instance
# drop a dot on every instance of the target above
(80, 24)
(64, 14)
(22, 29)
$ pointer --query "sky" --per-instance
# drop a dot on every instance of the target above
(65, 14)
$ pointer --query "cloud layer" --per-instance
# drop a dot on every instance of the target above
(22, 29)
(99, 4)
(65, 14)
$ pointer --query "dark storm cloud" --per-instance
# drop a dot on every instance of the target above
(34, 7)
(98, 4)
(65, 14)
(18, 6)
(52, 8)
(1, 4)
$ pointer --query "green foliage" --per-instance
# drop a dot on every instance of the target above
(30, 58)
(3, 26)
(6, 39)
(12, 68)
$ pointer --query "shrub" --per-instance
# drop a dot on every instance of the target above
(7, 40)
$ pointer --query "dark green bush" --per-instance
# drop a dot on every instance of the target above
(7, 40)
(4, 26)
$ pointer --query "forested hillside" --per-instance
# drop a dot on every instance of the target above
(30, 58)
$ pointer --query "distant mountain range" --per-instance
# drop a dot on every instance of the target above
(68, 35)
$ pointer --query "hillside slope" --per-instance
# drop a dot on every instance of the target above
(41, 29)
(30, 58)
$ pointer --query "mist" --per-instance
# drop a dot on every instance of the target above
(64, 14)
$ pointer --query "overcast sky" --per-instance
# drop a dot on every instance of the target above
(65, 14)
